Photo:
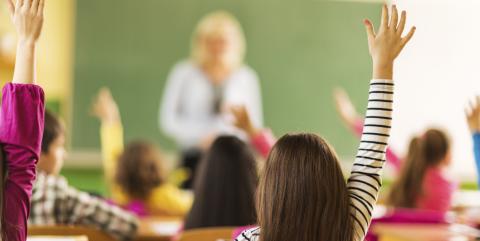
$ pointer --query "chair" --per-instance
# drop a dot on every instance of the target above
(92, 234)
(207, 234)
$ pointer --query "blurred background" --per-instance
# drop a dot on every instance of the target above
(301, 51)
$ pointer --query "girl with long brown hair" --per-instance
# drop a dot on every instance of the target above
(21, 123)
(302, 195)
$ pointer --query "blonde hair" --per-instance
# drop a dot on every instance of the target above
(209, 25)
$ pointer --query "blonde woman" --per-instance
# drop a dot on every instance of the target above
(198, 89)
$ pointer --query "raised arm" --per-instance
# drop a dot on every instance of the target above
(111, 136)
(21, 121)
(473, 120)
(365, 179)
(261, 139)
(347, 112)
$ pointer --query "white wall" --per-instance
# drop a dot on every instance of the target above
(437, 73)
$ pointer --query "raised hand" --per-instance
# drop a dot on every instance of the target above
(27, 16)
(242, 120)
(105, 108)
(472, 114)
(387, 44)
(344, 107)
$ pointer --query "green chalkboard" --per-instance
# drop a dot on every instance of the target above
(300, 49)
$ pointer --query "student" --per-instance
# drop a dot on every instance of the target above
(425, 166)
(473, 119)
(227, 178)
(302, 193)
(54, 201)
(21, 123)
(136, 174)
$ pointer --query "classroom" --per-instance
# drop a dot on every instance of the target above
(252, 120)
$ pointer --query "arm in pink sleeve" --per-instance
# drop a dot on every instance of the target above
(263, 142)
(21, 130)
(392, 157)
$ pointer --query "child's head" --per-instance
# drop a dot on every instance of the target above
(225, 186)
(140, 169)
(53, 145)
(303, 188)
(428, 151)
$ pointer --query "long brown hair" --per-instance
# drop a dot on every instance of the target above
(302, 195)
(423, 153)
(225, 186)
(140, 169)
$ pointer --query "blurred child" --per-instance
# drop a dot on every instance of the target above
(55, 202)
(21, 123)
(473, 120)
(136, 174)
(302, 193)
(422, 181)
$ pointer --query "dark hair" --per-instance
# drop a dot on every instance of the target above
(225, 186)
(423, 153)
(302, 193)
(140, 169)
(53, 128)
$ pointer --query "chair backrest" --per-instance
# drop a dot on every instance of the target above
(207, 234)
(92, 234)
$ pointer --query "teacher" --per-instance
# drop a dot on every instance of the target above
(199, 90)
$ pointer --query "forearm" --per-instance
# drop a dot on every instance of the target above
(24, 72)
(476, 151)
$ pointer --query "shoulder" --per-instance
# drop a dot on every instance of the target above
(184, 66)
(44, 180)
(438, 179)
(247, 71)
(252, 234)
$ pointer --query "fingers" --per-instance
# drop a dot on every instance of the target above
(19, 4)
(408, 37)
(401, 25)
(384, 22)
(370, 30)
(27, 4)
(34, 6)
(11, 7)
(394, 20)
(41, 6)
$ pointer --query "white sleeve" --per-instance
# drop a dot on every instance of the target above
(365, 180)
(185, 132)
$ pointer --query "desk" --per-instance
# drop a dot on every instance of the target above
(424, 232)
(158, 228)
(57, 238)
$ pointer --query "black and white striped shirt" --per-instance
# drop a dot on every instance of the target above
(365, 180)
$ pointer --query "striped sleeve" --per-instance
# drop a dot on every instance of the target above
(365, 181)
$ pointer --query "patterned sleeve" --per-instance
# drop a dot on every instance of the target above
(365, 180)
(84, 209)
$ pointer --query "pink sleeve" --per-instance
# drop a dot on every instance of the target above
(392, 157)
(21, 130)
(263, 142)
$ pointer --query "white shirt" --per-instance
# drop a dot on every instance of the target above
(187, 108)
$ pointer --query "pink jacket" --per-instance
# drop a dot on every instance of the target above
(21, 131)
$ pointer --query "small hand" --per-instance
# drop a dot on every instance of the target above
(242, 120)
(472, 113)
(27, 16)
(344, 107)
(105, 108)
(387, 44)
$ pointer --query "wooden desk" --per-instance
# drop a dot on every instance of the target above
(57, 238)
(158, 228)
(423, 232)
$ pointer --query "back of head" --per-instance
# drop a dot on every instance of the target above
(225, 186)
(302, 193)
(424, 152)
(140, 169)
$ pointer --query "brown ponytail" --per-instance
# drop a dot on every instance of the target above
(423, 153)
